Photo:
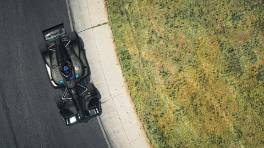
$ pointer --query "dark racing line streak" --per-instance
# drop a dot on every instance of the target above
(7, 114)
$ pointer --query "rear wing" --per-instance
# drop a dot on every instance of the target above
(53, 33)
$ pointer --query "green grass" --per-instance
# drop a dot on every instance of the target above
(194, 68)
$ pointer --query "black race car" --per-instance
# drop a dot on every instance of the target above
(68, 69)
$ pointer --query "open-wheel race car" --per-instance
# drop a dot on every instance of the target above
(68, 69)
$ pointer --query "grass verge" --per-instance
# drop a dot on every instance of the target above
(194, 68)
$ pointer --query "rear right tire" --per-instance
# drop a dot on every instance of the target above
(73, 36)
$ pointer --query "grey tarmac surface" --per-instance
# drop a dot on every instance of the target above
(29, 117)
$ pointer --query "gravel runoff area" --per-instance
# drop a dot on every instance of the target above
(119, 119)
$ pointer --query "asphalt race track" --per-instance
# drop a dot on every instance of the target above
(29, 117)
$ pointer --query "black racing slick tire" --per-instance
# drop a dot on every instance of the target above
(46, 58)
(43, 46)
(73, 36)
